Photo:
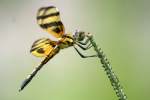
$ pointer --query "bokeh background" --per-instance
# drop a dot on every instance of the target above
(120, 27)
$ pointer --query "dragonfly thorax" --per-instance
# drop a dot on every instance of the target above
(66, 41)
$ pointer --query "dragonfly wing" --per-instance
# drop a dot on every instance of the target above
(42, 47)
(49, 19)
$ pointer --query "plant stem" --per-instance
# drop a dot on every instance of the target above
(108, 69)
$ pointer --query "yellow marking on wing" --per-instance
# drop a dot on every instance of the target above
(50, 11)
(39, 21)
(46, 48)
(50, 19)
(47, 15)
(42, 47)
(40, 13)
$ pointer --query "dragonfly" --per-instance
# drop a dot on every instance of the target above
(48, 18)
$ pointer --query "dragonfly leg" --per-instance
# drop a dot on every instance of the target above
(82, 55)
(85, 42)
(84, 47)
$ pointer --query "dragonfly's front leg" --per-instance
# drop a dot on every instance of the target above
(87, 37)
(82, 55)
(85, 42)
(84, 47)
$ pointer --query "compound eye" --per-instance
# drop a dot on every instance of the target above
(81, 36)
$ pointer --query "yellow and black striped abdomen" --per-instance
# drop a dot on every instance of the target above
(42, 47)
(49, 19)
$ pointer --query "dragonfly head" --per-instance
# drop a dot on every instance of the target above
(79, 35)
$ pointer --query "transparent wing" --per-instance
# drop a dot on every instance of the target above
(42, 47)
(49, 19)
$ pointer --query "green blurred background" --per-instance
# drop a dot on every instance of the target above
(120, 27)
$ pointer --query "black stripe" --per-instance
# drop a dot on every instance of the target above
(50, 7)
(57, 30)
(37, 42)
(33, 49)
(66, 36)
(40, 50)
(46, 8)
(49, 15)
(41, 40)
(41, 9)
(58, 23)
